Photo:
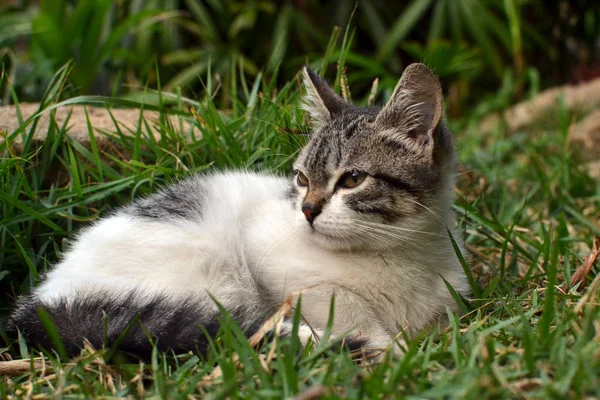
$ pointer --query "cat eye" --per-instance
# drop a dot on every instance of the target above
(352, 179)
(301, 179)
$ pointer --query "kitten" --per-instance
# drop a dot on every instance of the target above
(364, 218)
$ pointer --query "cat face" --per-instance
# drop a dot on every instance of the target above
(369, 176)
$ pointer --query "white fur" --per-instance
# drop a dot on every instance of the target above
(248, 236)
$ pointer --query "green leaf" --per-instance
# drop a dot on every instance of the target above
(52, 332)
(460, 301)
(402, 26)
(3, 274)
(23, 349)
(549, 311)
(30, 212)
(465, 266)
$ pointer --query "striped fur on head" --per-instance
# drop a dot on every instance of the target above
(405, 152)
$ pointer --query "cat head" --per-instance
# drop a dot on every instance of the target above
(370, 176)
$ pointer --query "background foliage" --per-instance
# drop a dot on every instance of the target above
(119, 47)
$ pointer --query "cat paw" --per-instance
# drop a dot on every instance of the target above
(305, 333)
(373, 350)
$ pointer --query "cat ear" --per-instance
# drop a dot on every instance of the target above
(414, 111)
(320, 100)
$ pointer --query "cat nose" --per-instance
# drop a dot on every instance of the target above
(311, 211)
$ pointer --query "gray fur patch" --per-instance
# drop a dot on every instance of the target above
(183, 200)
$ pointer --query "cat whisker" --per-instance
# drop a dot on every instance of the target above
(399, 228)
(386, 229)
(392, 230)
(419, 239)
(380, 234)
(435, 214)
(375, 237)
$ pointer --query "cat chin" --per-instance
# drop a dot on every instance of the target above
(323, 239)
(329, 242)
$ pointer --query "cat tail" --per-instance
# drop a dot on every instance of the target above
(133, 323)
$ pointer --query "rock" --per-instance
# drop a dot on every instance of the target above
(100, 119)
(593, 169)
(584, 137)
(583, 98)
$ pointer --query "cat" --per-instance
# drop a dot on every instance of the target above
(364, 220)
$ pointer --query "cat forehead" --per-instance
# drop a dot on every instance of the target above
(330, 145)
(345, 128)
(353, 114)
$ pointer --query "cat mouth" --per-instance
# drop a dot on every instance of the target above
(315, 232)
(325, 234)
(332, 242)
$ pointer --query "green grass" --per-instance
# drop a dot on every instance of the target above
(527, 212)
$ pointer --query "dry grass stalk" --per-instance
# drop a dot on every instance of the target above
(579, 276)
(20, 367)
(589, 298)
(313, 392)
